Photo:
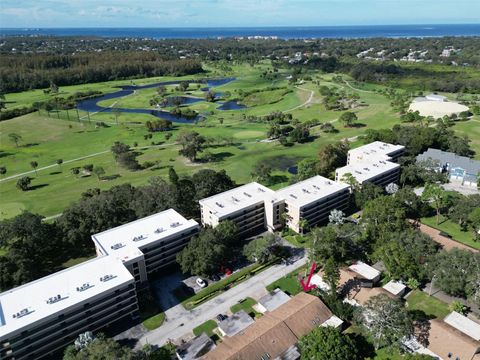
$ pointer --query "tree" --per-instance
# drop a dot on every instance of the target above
(474, 222)
(383, 216)
(386, 320)
(332, 156)
(34, 249)
(391, 188)
(331, 274)
(16, 138)
(88, 168)
(34, 166)
(59, 162)
(326, 244)
(75, 171)
(435, 195)
(306, 168)
(260, 249)
(116, 114)
(350, 180)
(183, 86)
(300, 134)
(53, 88)
(209, 182)
(405, 254)
(262, 172)
(336, 217)
(99, 171)
(367, 192)
(210, 96)
(458, 307)
(168, 136)
(348, 118)
(191, 142)
(24, 183)
(327, 343)
(98, 349)
(3, 170)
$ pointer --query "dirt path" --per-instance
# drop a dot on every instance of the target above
(309, 100)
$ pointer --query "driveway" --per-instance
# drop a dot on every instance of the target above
(180, 321)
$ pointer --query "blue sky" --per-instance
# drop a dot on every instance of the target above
(221, 13)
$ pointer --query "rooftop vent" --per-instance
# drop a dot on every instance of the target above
(376, 165)
(235, 199)
(107, 277)
(247, 194)
(21, 313)
(358, 172)
(293, 196)
(219, 205)
(175, 224)
(117, 246)
(328, 182)
(382, 162)
(84, 287)
(54, 299)
(316, 187)
(261, 190)
(366, 169)
(306, 191)
(139, 238)
(159, 230)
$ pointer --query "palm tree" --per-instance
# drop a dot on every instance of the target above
(302, 224)
(15, 138)
(34, 165)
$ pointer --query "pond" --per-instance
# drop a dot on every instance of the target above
(91, 105)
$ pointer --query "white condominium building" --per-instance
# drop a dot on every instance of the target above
(375, 151)
(44, 316)
(379, 172)
(252, 207)
(313, 200)
(148, 244)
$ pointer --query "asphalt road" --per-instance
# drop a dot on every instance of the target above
(180, 322)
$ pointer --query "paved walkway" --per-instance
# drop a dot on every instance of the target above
(439, 294)
(447, 243)
(179, 321)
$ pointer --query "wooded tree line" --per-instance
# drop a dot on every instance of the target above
(24, 72)
(36, 248)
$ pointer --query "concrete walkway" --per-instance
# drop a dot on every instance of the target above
(180, 322)
(445, 242)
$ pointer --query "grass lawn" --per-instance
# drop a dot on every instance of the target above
(302, 241)
(246, 305)
(431, 306)
(451, 228)
(154, 321)
(46, 139)
(207, 327)
(288, 283)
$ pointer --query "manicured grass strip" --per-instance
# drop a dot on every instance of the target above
(451, 228)
(431, 306)
(154, 322)
(288, 283)
(207, 327)
(298, 240)
(245, 305)
(224, 284)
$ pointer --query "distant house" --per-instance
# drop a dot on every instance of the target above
(365, 271)
(195, 348)
(459, 168)
(395, 288)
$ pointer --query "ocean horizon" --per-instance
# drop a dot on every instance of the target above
(283, 32)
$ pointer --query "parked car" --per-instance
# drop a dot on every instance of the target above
(221, 317)
(200, 282)
(215, 277)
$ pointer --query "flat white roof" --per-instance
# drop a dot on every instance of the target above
(394, 287)
(366, 271)
(333, 321)
(237, 199)
(463, 324)
(365, 171)
(377, 150)
(124, 242)
(308, 191)
(26, 304)
(317, 280)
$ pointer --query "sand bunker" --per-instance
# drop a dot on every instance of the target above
(437, 109)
